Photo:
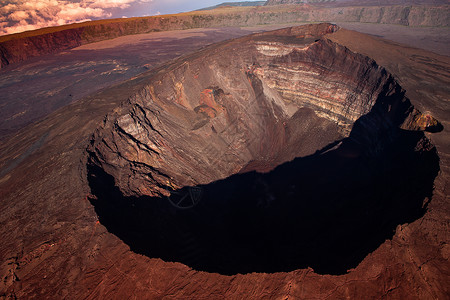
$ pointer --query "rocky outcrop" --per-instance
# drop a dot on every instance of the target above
(246, 157)
(243, 107)
(19, 47)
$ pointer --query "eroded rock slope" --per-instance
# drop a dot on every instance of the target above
(270, 98)
(56, 244)
(248, 155)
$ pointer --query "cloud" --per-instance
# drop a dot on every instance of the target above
(18, 15)
(74, 12)
(122, 4)
(23, 15)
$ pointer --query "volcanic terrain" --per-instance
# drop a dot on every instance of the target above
(306, 162)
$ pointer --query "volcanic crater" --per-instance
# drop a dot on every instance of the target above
(267, 153)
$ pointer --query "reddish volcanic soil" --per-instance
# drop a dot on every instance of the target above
(53, 81)
(59, 235)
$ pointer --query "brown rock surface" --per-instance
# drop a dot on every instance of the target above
(216, 104)
(30, 90)
(53, 245)
(22, 46)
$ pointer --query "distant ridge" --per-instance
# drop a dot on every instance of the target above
(22, 46)
(357, 2)
(243, 3)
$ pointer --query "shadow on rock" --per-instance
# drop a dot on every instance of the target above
(326, 211)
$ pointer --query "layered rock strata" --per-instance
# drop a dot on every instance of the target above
(269, 97)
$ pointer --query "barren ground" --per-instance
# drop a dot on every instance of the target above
(53, 245)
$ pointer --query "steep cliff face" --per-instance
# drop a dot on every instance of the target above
(208, 117)
(207, 108)
(402, 15)
(246, 156)
(19, 47)
(16, 50)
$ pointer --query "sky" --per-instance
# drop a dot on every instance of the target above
(23, 15)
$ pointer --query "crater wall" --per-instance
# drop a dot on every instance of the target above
(268, 153)
(266, 98)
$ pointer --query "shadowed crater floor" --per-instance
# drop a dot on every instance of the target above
(268, 153)
(326, 211)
